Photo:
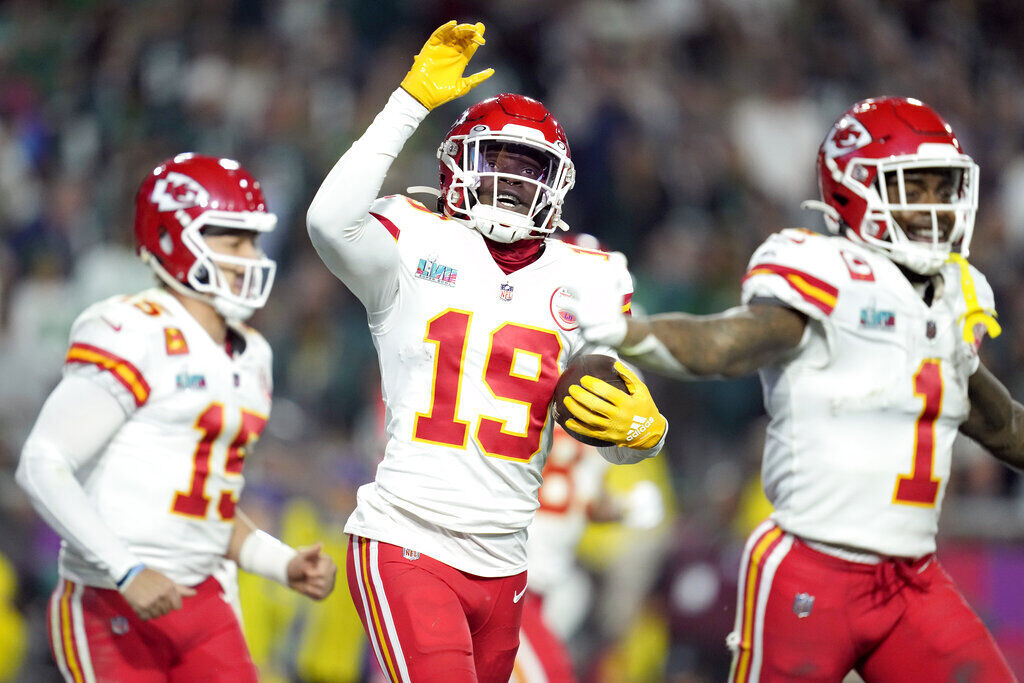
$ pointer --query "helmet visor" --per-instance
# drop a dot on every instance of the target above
(517, 176)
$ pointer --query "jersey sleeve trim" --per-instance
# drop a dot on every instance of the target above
(813, 290)
(627, 304)
(388, 224)
(123, 371)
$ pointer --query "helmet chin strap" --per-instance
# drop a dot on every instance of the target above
(501, 225)
(232, 310)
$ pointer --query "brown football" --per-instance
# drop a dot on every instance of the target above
(596, 365)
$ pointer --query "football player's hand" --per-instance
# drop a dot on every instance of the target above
(152, 594)
(625, 418)
(598, 312)
(436, 73)
(311, 572)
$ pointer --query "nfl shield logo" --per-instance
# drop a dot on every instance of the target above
(929, 329)
(803, 604)
(410, 554)
(119, 625)
(505, 292)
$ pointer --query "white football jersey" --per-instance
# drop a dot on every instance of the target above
(865, 411)
(469, 357)
(167, 482)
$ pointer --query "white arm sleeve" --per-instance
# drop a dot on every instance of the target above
(353, 245)
(73, 427)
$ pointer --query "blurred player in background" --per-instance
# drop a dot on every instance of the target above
(560, 592)
(867, 343)
(465, 305)
(136, 457)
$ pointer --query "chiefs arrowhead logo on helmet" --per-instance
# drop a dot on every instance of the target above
(847, 135)
(178, 191)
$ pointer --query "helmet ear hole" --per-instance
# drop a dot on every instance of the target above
(165, 241)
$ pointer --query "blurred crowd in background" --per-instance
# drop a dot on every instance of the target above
(694, 125)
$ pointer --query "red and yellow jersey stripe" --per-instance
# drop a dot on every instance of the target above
(813, 290)
(123, 371)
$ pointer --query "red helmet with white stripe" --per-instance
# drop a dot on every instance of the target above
(176, 203)
(863, 167)
(506, 126)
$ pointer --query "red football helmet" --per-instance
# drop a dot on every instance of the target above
(176, 202)
(522, 127)
(870, 147)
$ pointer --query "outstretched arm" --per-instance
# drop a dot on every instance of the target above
(996, 421)
(729, 344)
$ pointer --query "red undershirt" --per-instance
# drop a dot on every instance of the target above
(512, 257)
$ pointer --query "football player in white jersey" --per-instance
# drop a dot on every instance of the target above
(867, 345)
(136, 457)
(466, 306)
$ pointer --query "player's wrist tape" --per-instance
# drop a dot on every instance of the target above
(123, 582)
(264, 555)
(657, 356)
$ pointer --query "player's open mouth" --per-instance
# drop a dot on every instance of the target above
(507, 200)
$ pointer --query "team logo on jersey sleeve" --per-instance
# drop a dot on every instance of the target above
(432, 271)
(174, 342)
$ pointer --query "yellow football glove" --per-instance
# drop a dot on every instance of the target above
(604, 412)
(436, 73)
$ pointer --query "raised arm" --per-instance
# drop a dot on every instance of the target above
(996, 421)
(351, 242)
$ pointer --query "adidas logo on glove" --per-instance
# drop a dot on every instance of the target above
(639, 426)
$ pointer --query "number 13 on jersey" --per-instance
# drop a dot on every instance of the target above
(504, 378)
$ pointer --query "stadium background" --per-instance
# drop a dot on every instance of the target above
(693, 124)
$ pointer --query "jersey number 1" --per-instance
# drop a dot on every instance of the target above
(919, 488)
